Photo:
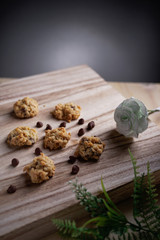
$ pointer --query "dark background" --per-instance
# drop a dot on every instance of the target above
(120, 40)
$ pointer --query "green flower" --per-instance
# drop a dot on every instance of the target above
(131, 117)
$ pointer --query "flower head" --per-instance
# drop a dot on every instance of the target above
(131, 117)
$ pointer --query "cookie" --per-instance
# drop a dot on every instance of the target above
(26, 108)
(56, 138)
(89, 148)
(67, 112)
(22, 136)
(40, 169)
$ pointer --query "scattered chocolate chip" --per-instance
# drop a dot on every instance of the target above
(91, 125)
(63, 124)
(81, 132)
(39, 124)
(48, 127)
(72, 159)
(75, 169)
(11, 189)
(81, 121)
(15, 162)
(37, 151)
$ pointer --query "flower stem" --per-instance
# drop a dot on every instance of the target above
(153, 111)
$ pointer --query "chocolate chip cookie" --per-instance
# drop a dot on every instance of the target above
(26, 108)
(56, 138)
(90, 148)
(40, 169)
(22, 136)
(67, 112)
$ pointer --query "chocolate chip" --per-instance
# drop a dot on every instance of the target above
(48, 127)
(23, 109)
(81, 132)
(75, 169)
(37, 151)
(11, 189)
(90, 125)
(39, 124)
(81, 121)
(63, 124)
(15, 162)
(72, 159)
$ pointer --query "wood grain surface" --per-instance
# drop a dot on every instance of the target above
(27, 213)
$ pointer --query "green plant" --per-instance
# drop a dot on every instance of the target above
(108, 222)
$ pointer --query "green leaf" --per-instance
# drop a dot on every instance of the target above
(108, 222)
(108, 198)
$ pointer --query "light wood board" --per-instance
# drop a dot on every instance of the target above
(27, 213)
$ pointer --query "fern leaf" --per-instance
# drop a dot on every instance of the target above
(66, 227)
(69, 230)
(108, 222)
(93, 204)
(152, 198)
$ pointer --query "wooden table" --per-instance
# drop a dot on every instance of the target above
(148, 93)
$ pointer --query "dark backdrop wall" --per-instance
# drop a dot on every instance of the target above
(119, 40)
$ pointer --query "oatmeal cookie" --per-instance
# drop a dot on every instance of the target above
(40, 169)
(26, 108)
(56, 138)
(22, 136)
(89, 148)
(67, 112)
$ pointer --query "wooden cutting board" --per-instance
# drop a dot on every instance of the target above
(27, 213)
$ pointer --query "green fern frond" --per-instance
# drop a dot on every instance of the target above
(144, 200)
(138, 191)
(93, 204)
(66, 228)
(108, 222)
(152, 199)
(69, 230)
